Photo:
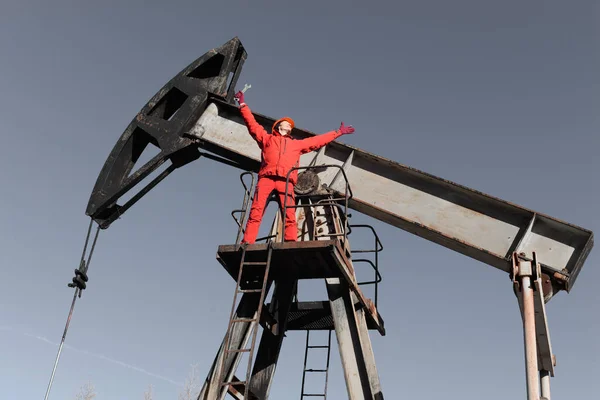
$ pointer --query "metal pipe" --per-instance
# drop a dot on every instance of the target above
(62, 342)
(545, 379)
(83, 268)
(530, 339)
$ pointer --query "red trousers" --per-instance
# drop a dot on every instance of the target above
(264, 188)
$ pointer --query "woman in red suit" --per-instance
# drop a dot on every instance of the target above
(279, 154)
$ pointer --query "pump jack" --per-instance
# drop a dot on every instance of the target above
(193, 116)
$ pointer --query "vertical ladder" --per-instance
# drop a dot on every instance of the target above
(243, 288)
(323, 371)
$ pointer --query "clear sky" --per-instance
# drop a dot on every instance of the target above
(502, 97)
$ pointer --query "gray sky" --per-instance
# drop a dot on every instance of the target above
(502, 97)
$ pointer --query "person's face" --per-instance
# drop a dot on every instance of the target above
(285, 128)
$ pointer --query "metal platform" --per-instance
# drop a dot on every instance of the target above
(314, 316)
(318, 259)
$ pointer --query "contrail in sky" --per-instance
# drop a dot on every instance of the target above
(100, 356)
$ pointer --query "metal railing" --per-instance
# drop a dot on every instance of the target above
(378, 247)
(333, 201)
(244, 209)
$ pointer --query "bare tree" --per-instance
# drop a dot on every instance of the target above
(148, 393)
(191, 390)
(87, 392)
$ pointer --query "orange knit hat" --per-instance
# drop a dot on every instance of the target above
(288, 119)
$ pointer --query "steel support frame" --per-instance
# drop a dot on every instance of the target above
(268, 350)
(358, 360)
(247, 308)
(356, 353)
(272, 340)
(539, 360)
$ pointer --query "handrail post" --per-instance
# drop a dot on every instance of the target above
(375, 265)
(245, 203)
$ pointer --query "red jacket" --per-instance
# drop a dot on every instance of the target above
(279, 153)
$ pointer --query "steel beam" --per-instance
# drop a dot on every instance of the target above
(303, 260)
(271, 341)
(472, 223)
(358, 370)
(367, 352)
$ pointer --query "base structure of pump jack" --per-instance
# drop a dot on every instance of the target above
(193, 116)
(321, 252)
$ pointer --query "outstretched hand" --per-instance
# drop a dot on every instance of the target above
(239, 97)
(346, 129)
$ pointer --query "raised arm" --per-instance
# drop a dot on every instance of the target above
(254, 128)
(316, 142)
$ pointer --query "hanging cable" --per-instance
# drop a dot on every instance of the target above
(79, 283)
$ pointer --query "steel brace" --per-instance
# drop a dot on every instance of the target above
(539, 360)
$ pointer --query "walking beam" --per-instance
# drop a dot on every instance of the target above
(461, 219)
(193, 116)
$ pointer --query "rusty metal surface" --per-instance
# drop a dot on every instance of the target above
(308, 182)
(236, 394)
(467, 221)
